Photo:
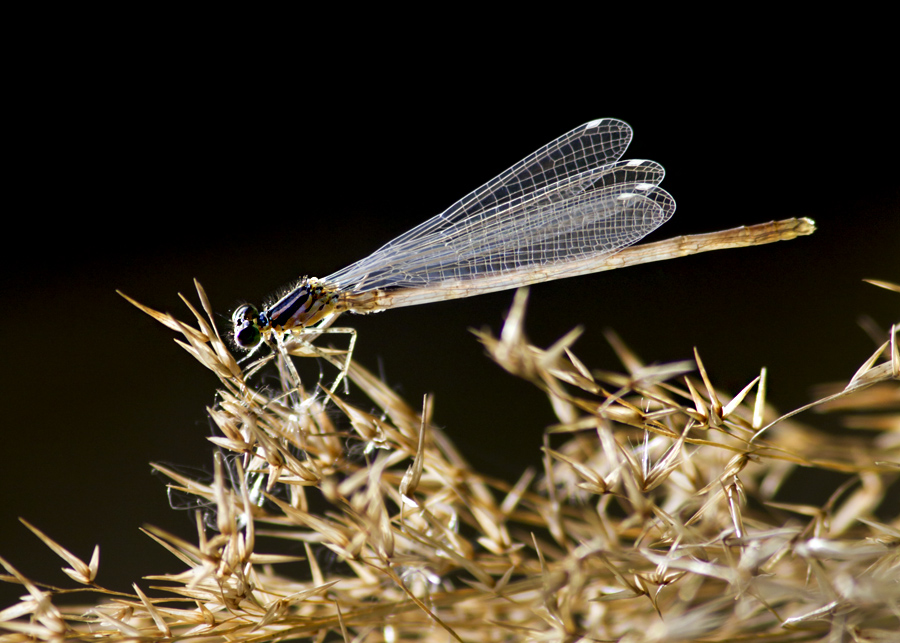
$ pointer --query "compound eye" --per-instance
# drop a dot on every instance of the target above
(246, 322)
(245, 313)
(247, 335)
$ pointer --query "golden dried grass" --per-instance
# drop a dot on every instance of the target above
(656, 519)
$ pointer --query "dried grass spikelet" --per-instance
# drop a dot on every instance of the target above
(655, 519)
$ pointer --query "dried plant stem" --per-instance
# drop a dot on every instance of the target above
(656, 518)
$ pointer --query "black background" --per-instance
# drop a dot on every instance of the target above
(249, 155)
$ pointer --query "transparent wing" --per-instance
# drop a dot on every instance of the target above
(566, 202)
(592, 145)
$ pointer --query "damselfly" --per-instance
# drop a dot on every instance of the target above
(565, 210)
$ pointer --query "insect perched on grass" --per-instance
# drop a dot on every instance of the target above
(565, 210)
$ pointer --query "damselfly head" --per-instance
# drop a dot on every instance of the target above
(245, 322)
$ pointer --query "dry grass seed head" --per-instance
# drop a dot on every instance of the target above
(654, 519)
